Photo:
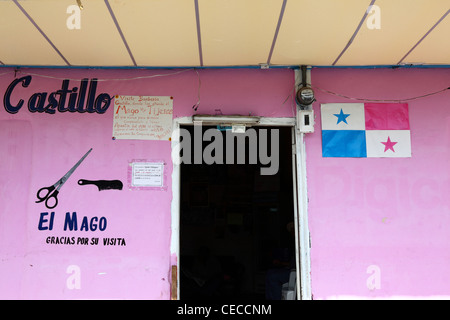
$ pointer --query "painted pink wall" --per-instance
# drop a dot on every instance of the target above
(385, 213)
(390, 213)
(37, 149)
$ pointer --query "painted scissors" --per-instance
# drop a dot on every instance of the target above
(54, 194)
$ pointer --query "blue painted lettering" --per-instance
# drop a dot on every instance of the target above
(42, 220)
(56, 100)
(92, 224)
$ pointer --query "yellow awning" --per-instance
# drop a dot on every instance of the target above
(209, 33)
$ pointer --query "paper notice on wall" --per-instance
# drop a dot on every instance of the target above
(143, 117)
(147, 174)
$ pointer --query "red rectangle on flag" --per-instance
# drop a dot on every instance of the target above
(386, 116)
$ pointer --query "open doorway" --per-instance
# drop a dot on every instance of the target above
(235, 224)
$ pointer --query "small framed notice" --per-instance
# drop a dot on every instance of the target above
(146, 175)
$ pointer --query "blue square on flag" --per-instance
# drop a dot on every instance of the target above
(344, 143)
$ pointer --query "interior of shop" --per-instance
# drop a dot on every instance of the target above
(235, 225)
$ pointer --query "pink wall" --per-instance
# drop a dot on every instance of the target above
(379, 227)
(38, 148)
(388, 214)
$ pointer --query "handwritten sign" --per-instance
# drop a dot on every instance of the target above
(143, 117)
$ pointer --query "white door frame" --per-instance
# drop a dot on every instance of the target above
(300, 198)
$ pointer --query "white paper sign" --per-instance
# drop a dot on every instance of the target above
(147, 174)
(143, 117)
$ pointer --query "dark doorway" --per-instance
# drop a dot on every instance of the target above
(237, 220)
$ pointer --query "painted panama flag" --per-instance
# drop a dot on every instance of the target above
(362, 130)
